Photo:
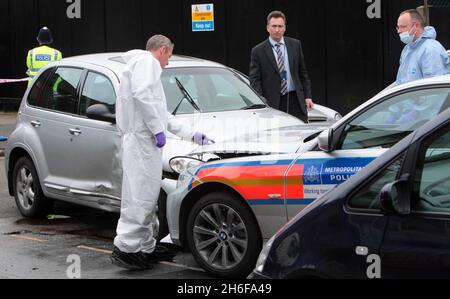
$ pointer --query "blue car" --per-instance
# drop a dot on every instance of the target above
(391, 220)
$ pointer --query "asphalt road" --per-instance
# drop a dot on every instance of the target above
(74, 243)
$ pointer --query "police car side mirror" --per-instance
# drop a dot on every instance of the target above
(325, 141)
(394, 197)
(100, 112)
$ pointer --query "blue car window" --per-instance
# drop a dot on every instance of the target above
(434, 176)
(367, 197)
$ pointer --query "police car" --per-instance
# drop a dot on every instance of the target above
(224, 210)
(389, 221)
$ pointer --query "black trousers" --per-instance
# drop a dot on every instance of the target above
(289, 104)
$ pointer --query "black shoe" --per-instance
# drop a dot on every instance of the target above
(130, 261)
(161, 253)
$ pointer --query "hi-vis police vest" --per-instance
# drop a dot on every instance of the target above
(39, 57)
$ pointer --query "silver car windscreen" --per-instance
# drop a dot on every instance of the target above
(211, 89)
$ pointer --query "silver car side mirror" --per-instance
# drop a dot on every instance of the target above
(325, 141)
(100, 112)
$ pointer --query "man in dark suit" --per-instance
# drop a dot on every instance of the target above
(278, 71)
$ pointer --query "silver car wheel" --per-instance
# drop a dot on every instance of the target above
(25, 191)
(220, 236)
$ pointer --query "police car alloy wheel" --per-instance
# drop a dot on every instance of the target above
(223, 235)
(27, 190)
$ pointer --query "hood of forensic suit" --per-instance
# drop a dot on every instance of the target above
(128, 56)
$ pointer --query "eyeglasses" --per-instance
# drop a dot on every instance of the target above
(403, 27)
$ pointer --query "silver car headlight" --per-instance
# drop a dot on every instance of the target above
(182, 164)
(263, 256)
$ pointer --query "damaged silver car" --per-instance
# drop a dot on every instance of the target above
(66, 145)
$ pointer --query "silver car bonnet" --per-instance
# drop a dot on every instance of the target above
(225, 126)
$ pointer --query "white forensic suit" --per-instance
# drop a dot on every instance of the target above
(141, 113)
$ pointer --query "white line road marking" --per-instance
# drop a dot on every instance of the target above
(29, 238)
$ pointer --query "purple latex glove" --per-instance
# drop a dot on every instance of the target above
(391, 119)
(201, 139)
(160, 139)
(409, 117)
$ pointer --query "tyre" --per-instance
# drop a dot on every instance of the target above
(30, 199)
(163, 227)
(223, 235)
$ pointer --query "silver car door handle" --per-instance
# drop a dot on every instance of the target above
(35, 123)
(75, 132)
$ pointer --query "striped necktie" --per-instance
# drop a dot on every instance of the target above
(283, 87)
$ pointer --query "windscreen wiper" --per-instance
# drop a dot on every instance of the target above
(186, 96)
(354, 128)
(174, 112)
(255, 106)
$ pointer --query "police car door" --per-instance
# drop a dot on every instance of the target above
(364, 137)
(318, 172)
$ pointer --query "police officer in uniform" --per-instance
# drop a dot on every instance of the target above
(42, 55)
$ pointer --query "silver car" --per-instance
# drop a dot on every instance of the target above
(66, 145)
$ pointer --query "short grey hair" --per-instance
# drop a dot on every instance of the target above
(276, 14)
(415, 16)
(157, 41)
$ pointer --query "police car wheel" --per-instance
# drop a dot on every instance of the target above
(223, 235)
(30, 199)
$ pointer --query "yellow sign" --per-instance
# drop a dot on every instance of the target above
(203, 17)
